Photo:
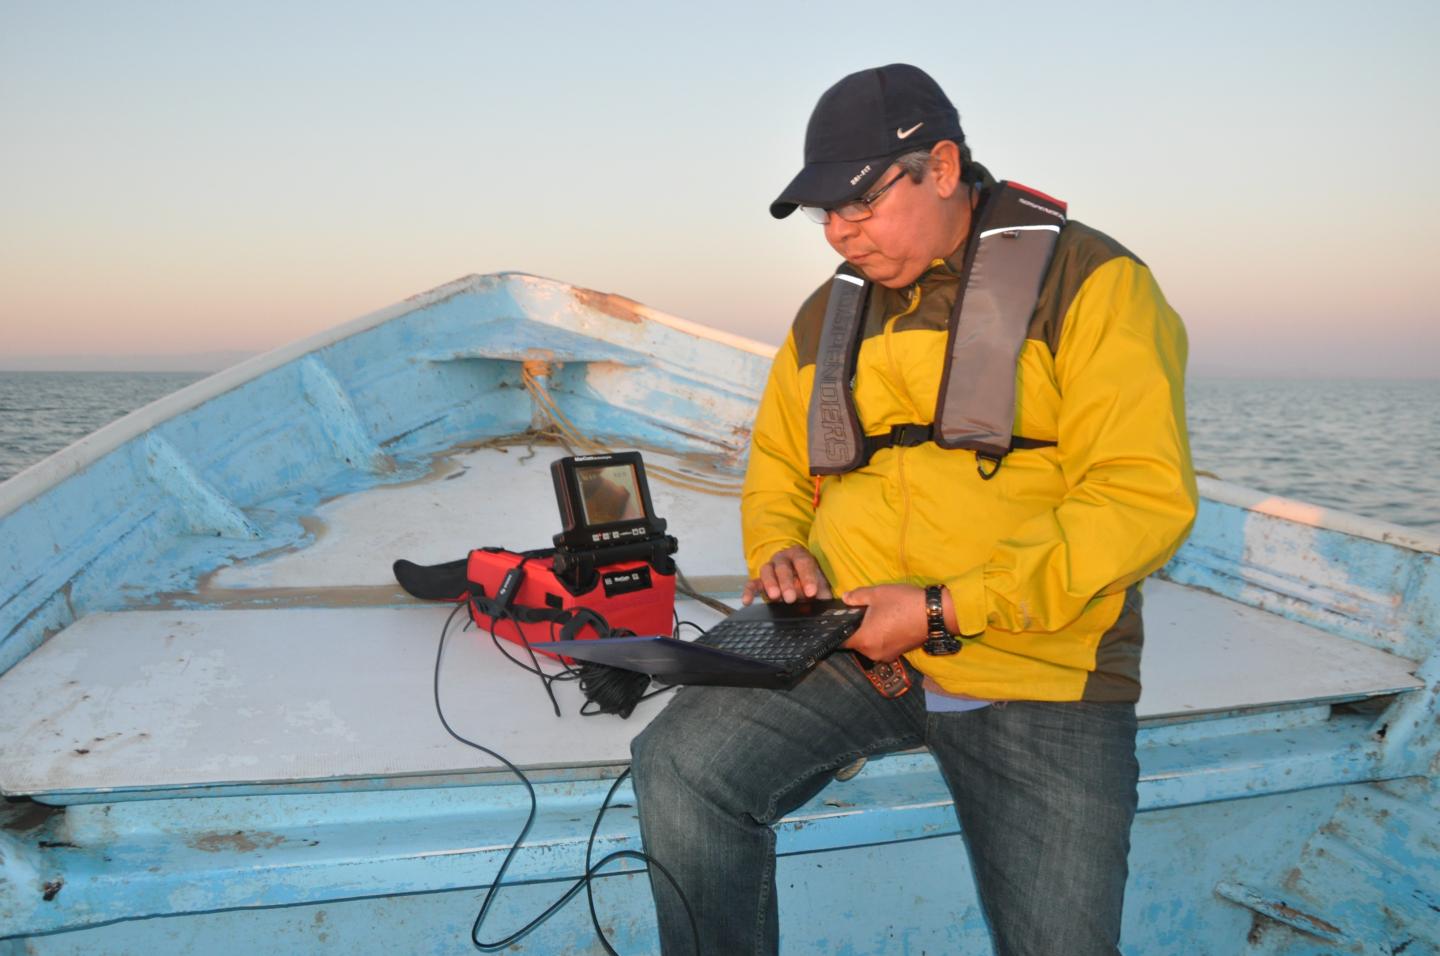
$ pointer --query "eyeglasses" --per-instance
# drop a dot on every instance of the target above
(856, 211)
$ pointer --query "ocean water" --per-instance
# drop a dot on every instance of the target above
(1370, 447)
(1365, 446)
(43, 412)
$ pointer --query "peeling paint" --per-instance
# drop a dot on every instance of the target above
(240, 841)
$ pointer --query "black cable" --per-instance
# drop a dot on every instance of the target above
(498, 613)
(627, 854)
(591, 871)
(611, 690)
(607, 690)
(545, 679)
(566, 672)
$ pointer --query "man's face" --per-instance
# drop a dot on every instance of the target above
(909, 228)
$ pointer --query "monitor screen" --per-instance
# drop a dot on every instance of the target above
(610, 493)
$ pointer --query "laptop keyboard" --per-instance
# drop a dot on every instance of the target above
(776, 641)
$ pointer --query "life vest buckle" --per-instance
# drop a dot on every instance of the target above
(910, 434)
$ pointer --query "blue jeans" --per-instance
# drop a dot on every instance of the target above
(1045, 794)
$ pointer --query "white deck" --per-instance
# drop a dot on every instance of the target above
(178, 698)
(223, 695)
(500, 497)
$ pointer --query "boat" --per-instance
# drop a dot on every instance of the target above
(218, 710)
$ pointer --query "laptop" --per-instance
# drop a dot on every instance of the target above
(763, 645)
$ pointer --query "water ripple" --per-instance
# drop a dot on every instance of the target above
(1370, 447)
(43, 412)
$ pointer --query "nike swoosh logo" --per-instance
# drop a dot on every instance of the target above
(905, 133)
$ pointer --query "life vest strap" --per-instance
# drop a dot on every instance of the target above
(1013, 235)
(910, 434)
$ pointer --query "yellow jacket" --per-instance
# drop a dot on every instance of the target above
(1045, 560)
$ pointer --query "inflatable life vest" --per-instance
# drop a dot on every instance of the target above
(1012, 239)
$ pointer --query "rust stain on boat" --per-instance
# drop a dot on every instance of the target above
(1300, 916)
(615, 306)
(237, 842)
(30, 816)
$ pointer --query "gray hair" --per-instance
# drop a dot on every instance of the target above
(915, 162)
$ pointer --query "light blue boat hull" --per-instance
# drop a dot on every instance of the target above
(1307, 827)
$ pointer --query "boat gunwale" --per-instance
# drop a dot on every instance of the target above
(37, 479)
(1318, 516)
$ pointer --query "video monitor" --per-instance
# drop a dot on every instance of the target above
(603, 501)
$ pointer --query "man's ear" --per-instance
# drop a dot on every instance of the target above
(945, 166)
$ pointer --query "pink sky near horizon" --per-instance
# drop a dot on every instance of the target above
(211, 179)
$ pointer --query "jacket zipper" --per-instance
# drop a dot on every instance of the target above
(895, 374)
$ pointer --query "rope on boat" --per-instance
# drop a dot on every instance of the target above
(683, 586)
(532, 373)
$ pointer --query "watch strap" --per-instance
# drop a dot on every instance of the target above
(938, 639)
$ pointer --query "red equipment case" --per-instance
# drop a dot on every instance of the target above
(629, 595)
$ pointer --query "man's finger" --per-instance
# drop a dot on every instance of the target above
(808, 572)
(810, 578)
(752, 587)
(785, 577)
(768, 582)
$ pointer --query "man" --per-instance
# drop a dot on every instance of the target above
(1024, 553)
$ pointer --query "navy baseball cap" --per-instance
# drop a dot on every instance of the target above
(859, 126)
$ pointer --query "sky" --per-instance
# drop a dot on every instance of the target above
(201, 177)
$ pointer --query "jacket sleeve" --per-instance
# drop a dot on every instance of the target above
(776, 506)
(1125, 456)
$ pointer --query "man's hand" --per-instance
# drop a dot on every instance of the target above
(894, 620)
(789, 575)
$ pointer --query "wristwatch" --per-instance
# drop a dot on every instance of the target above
(938, 639)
